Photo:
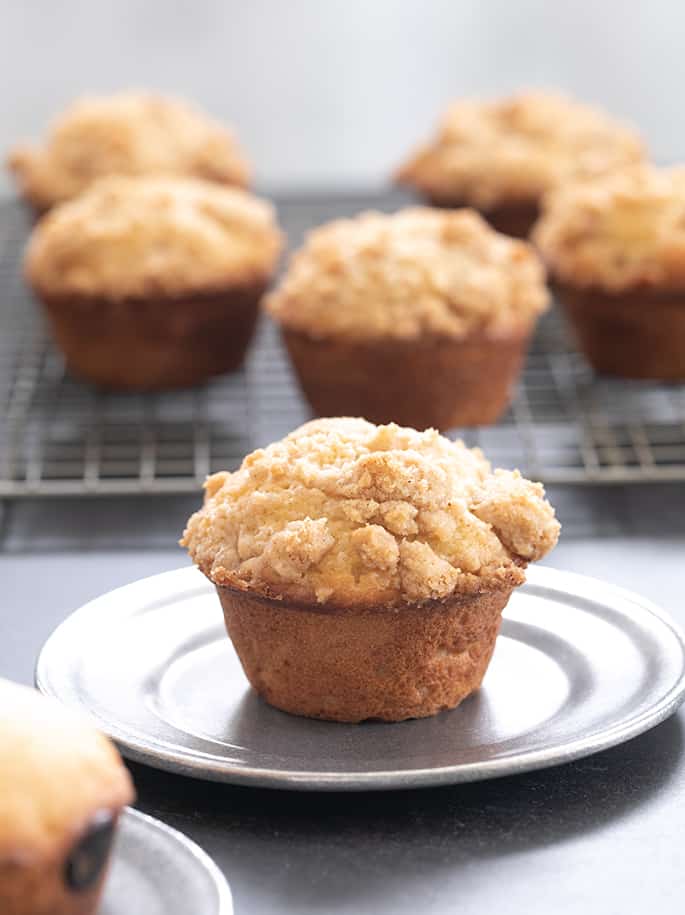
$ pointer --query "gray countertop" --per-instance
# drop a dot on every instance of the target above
(600, 835)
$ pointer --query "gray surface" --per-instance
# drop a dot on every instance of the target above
(580, 666)
(601, 836)
(157, 871)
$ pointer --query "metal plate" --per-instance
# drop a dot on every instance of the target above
(579, 666)
(158, 871)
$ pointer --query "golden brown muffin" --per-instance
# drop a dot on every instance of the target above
(421, 317)
(62, 788)
(152, 283)
(500, 156)
(129, 133)
(616, 252)
(363, 569)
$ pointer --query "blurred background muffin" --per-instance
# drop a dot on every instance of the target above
(363, 570)
(129, 133)
(153, 283)
(62, 789)
(615, 248)
(421, 317)
(500, 156)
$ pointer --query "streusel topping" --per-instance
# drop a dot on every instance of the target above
(418, 271)
(618, 232)
(129, 133)
(492, 152)
(56, 771)
(130, 237)
(345, 512)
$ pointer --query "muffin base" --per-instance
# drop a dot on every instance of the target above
(514, 219)
(353, 664)
(154, 343)
(635, 334)
(431, 382)
(38, 887)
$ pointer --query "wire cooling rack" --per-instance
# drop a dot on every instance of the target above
(61, 437)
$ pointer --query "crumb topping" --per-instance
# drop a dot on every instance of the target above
(56, 770)
(347, 513)
(129, 133)
(492, 152)
(418, 271)
(129, 237)
(619, 231)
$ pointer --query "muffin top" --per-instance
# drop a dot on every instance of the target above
(346, 513)
(56, 771)
(418, 271)
(493, 152)
(130, 133)
(618, 232)
(137, 237)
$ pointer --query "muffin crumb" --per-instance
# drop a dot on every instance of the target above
(489, 153)
(419, 271)
(345, 512)
(618, 232)
(128, 133)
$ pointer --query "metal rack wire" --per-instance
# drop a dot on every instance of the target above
(61, 437)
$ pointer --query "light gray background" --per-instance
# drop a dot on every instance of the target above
(333, 92)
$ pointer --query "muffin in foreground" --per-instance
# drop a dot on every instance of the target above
(62, 788)
(615, 248)
(153, 283)
(128, 133)
(363, 569)
(421, 317)
(500, 156)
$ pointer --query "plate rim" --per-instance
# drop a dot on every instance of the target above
(219, 881)
(187, 764)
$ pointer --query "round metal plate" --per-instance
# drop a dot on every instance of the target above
(579, 666)
(158, 871)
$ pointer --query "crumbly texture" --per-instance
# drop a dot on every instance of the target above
(56, 771)
(141, 237)
(129, 133)
(343, 512)
(619, 232)
(415, 272)
(489, 153)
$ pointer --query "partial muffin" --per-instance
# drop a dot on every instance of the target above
(152, 283)
(615, 248)
(421, 317)
(129, 133)
(363, 570)
(500, 156)
(62, 789)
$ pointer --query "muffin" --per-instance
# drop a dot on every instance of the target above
(152, 283)
(616, 253)
(63, 787)
(129, 133)
(501, 156)
(421, 317)
(363, 569)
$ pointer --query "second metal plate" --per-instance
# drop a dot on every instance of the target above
(579, 666)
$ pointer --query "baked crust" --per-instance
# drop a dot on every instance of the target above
(139, 238)
(155, 343)
(511, 151)
(351, 664)
(128, 133)
(639, 333)
(434, 382)
(345, 513)
(625, 231)
(417, 272)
